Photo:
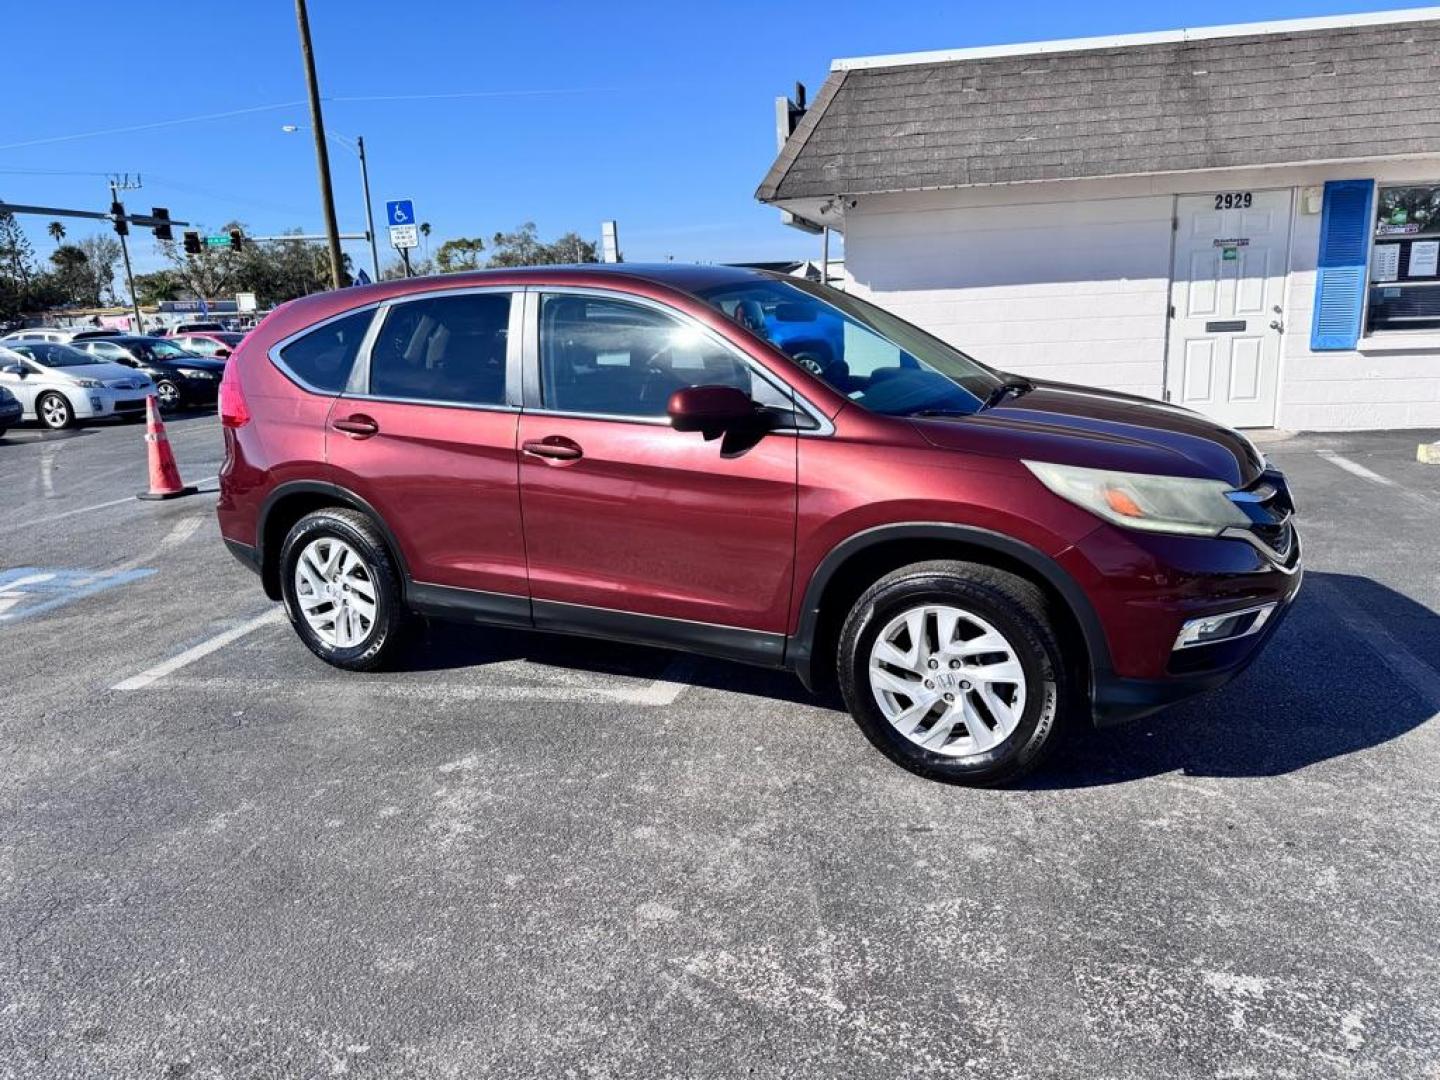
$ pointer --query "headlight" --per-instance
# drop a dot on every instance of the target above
(1168, 504)
(190, 373)
(89, 384)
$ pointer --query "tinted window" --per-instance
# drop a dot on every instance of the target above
(621, 359)
(54, 355)
(324, 356)
(447, 348)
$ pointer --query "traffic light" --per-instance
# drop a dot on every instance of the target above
(192, 242)
(235, 239)
(117, 214)
(161, 231)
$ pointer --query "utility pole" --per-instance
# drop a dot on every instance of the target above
(123, 228)
(322, 154)
(369, 214)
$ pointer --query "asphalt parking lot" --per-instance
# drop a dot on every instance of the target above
(532, 856)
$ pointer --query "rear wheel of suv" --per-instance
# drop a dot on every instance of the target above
(952, 669)
(341, 589)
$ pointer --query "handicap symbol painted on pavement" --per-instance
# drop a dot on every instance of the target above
(33, 590)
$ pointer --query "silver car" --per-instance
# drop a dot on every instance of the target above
(58, 385)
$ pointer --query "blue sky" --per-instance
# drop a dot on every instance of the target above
(659, 115)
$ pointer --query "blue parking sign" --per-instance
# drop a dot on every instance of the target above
(400, 212)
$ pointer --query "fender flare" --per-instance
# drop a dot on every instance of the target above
(799, 650)
(342, 495)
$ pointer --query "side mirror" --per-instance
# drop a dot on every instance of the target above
(222, 353)
(13, 369)
(711, 410)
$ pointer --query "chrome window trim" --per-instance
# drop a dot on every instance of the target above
(273, 353)
(803, 405)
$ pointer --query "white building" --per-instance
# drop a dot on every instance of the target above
(1244, 220)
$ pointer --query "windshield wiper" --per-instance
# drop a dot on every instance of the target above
(1011, 384)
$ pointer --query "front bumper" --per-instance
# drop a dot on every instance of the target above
(93, 403)
(10, 414)
(1146, 587)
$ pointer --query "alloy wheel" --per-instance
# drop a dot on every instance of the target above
(54, 411)
(169, 395)
(947, 680)
(336, 592)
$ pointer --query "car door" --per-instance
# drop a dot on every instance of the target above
(25, 387)
(425, 433)
(634, 529)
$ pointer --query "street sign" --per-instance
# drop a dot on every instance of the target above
(217, 241)
(404, 236)
(400, 212)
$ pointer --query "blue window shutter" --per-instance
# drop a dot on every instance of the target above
(1341, 268)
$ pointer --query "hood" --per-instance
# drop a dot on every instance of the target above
(106, 372)
(199, 363)
(1100, 429)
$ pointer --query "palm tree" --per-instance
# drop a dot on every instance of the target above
(425, 232)
(56, 231)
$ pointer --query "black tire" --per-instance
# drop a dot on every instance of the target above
(1016, 609)
(169, 396)
(388, 629)
(58, 405)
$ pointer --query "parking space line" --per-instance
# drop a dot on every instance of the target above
(205, 648)
(88, 509)
(1354, 468)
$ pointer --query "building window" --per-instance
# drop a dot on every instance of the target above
(1404, 282)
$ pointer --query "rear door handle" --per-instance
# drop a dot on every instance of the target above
(554, 447)
(358, 426)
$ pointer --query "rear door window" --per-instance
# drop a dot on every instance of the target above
(322, 358)
(448, 349)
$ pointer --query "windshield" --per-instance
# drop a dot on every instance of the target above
(52, 355)
(872, 357)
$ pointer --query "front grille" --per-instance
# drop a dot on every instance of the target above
(130, 406)
(1268, 504)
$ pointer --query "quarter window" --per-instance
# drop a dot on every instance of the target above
(446, 348)
(323, 357)
(614, 358)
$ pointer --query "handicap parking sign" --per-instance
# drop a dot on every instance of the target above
(401, 211)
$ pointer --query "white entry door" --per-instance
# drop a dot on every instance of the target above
(1227, 291)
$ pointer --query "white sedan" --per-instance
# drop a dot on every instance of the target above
(58, 385)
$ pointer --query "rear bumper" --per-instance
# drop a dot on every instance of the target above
(247, 555)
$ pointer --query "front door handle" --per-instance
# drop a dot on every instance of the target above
(1276, 324)
(553, 447)
(358, 426)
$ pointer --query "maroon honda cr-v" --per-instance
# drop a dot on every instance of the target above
(757, 468)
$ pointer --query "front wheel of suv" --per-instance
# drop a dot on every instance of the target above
(953, 670)
(342, 590)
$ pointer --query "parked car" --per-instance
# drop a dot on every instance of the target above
(59, 384)
(215, 343)
(194, 326)
(11, 411)
(979, 559)
(38, 333)
(182, 380)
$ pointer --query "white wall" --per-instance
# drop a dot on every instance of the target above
(1070, 280)
(1070, 289)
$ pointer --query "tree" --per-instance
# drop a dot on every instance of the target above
(523, 248)
(207, 274)
(161, 285)
(102, 252)
(17, 257)
(460, 254)
(395, 271)
(425, 232)
(73, 276)
(56, 230)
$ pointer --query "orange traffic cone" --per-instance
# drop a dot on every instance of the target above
(164, 474)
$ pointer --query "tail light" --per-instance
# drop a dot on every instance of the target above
(234, 412)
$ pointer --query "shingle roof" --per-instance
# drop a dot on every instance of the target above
(1340, 93)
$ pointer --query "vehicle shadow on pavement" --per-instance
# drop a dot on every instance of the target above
(444, 646)
(1321, 689)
